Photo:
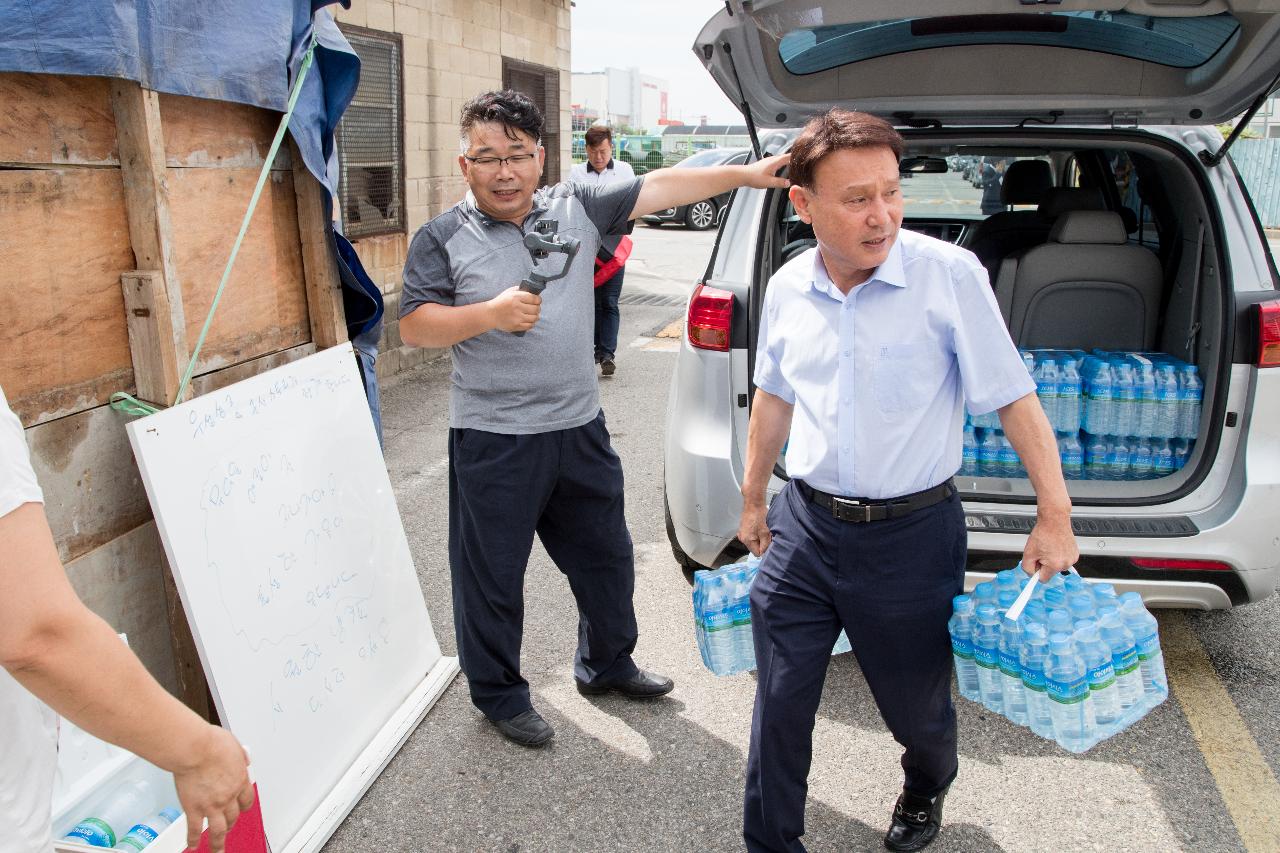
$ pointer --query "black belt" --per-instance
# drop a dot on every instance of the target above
(859, 510)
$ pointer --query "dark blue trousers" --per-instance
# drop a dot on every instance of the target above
(889, 584)
(565, 486)
(608, 320)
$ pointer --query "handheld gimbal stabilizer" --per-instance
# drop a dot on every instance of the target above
(541, 243)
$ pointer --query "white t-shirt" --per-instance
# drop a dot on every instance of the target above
(28, 728)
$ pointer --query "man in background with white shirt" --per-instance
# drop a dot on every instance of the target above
(602, 169)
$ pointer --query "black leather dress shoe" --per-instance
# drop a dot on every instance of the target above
(916, 821)
(526, 729)
(642, 685)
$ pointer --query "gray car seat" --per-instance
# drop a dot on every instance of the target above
(1025, 182)
(1087, 287)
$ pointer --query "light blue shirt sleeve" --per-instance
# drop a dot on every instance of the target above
(992, 373)
(768, 376)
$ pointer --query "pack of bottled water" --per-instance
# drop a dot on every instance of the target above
(1117, 416)
(1144, 395)
(1069, 659)
(722, 618)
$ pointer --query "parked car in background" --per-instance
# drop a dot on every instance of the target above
(701, 215)
(1140, 239)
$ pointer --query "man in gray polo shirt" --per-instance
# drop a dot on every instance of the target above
(528, 449)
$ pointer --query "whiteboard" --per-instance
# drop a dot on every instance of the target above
(278, 519)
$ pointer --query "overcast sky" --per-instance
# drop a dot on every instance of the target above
(655, 36)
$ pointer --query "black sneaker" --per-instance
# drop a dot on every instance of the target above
(607, 366)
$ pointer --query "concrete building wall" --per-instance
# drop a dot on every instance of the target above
(453, 49)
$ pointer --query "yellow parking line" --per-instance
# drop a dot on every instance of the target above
(1248, 786)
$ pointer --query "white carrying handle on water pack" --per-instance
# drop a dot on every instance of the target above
(1029, 590)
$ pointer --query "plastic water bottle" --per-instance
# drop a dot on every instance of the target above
(1141, 465)
(983, 593)
(1181, 453)
(842, 645)
(1102, 677)
(1069, 388)
(1060, 622)
(1055, 598)
(744, 652)
(1099, 408)
(146, 832)
(1167, 403)
(1103, 592)
(1126, 400)
(1035, 648)
(1146, 636)
(1046, 377)
(1095, 457)
(969, 452)
(1080, 606)
(1124, 660)
(719, 626)
(961, 628)
(1146, 401)
(1162, 460)
(1119, 457)
(131, 802)
(1007, 462)
(1191, 394)
(988, 454)
(1072, 455)
(1070, 702)
(986, 654)
(1015, 698)
(1073, 583)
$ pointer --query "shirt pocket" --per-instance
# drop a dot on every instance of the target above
(907, 376)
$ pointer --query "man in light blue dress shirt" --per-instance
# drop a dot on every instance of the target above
(869, 347)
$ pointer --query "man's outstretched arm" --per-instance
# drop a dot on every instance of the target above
(673, 187)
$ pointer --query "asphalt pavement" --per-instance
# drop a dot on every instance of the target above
(1197, 774)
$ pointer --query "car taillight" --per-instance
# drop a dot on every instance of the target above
(1182, 565)
(1269, 334)
(710, 318)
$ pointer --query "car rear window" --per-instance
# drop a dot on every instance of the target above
(1177, 42)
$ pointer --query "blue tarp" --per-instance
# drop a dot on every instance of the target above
(247, 51)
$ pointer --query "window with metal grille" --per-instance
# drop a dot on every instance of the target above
(542, 85)
(371, 139)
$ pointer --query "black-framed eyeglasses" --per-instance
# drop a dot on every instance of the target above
(514, 160)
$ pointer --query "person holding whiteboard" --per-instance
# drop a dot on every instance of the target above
(529, 451)
(57, 656)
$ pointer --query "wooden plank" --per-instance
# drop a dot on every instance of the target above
(92, 492)
(46, 119)
(142, 164)
(120, 581)
(264, 308)
(324, 287)
(65, 242)
(200, 133)
(193, 687)
(156, 370)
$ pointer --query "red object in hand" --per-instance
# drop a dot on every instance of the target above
(247, 836)
(609, 268)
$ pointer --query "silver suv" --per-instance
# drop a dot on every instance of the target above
(1123, 226)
